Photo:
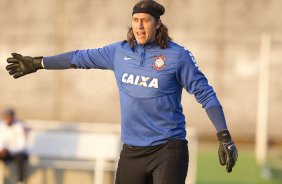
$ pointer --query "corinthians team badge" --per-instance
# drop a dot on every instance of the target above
(159, 63)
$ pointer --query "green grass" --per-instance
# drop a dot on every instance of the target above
(245, 171)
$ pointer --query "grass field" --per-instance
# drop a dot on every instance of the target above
(245, 172)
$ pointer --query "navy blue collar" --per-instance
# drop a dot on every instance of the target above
(142, 47)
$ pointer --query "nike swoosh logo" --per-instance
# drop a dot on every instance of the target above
(229, 147)
(126, 58)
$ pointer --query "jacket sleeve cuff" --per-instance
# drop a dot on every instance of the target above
(61, 61)
(217, 117)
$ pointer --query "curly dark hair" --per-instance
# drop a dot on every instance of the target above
(162, 38)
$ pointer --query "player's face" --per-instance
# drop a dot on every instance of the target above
(144, 27)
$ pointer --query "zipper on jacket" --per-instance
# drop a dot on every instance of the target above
(143, 56)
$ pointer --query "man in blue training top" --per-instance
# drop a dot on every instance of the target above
(150, 72)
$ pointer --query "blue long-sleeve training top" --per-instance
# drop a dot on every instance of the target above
(150, 82)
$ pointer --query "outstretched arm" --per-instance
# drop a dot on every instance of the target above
(58, 62)
(100, 58)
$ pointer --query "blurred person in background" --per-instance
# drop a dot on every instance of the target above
(13, 142)
(151, 70)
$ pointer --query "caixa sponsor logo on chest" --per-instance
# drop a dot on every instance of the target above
(138, 80)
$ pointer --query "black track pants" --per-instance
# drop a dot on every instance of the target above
(19, 158)
(161, 164)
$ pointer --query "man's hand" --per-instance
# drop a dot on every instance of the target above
(22, 65)
(227, 151)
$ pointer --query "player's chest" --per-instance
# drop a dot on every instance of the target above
(150, 63)
(152, 72)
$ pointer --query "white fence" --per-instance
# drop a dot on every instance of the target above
(85, 146)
